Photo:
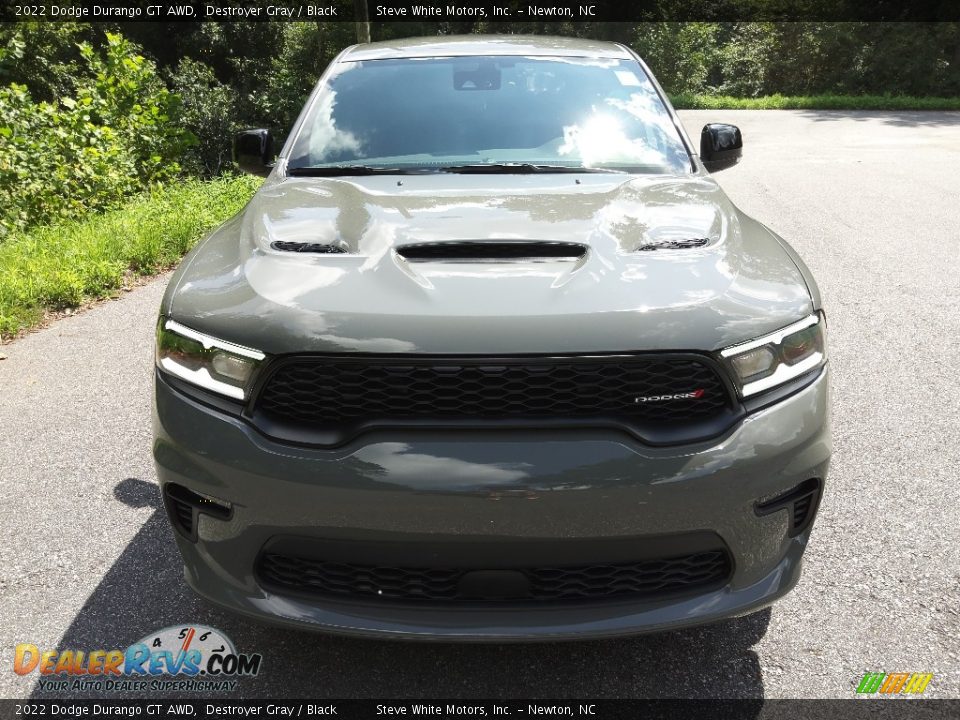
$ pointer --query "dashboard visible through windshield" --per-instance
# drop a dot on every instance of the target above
(471, 113)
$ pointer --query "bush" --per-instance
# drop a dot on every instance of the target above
(745, 60)
(209, 112)
(754, 59)
(44, 56)
(691, 101)
(119, 132)
(681, 55)
(62, 265)
(263, 86)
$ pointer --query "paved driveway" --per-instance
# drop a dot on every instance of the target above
(869, 199)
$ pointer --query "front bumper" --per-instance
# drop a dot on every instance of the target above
(509, 489)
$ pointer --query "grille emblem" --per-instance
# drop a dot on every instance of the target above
(694, 395)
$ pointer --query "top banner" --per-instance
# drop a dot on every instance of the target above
(474, 11)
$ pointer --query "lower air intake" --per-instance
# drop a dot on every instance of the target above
(645, 579)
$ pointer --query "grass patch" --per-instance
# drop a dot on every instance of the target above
(686, 101)
(61, 266)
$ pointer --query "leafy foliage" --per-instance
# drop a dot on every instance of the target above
(44, 56)
(682, 55)
(209, 112)
(118, 132)
(63, 265)
(692, 101)
(752, 59)
(237, 75)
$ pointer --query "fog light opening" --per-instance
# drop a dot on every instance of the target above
(801, 504)
(184, 505)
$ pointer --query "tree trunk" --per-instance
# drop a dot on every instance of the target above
(363, 21)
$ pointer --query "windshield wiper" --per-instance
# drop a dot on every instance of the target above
(511, 168)
(475, 168)
(344, 170)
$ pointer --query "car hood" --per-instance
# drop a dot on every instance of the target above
(621, 295)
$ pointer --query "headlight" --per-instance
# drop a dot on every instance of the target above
(213, 364)
(777, 358)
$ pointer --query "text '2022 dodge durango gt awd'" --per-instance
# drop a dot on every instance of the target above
(490, 355)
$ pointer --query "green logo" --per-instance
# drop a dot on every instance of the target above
(894, 683)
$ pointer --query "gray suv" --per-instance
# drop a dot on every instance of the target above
(491, 356)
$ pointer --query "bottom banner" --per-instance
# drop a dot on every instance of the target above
(633, 709)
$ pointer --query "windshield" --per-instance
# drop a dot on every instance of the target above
(436, 113)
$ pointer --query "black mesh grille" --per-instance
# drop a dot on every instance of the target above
(184, 516)
(181, 514)
(337, 394)
(801, 509)
(642, 579)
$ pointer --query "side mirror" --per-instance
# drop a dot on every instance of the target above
(721, 146)
(253, 151)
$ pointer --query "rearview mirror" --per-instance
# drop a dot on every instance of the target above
(486, 76)
(253, 151)
(721, 146)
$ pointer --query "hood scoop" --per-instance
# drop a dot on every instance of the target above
(302, 247)
(673, 244)
(493, 251)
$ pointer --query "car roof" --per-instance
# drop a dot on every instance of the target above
(453, 45)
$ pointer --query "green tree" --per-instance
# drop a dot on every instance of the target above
(118, 132)
(43, 56)
(209, 112)
(681, 55)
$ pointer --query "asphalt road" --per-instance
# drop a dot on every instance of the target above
(869, 199)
